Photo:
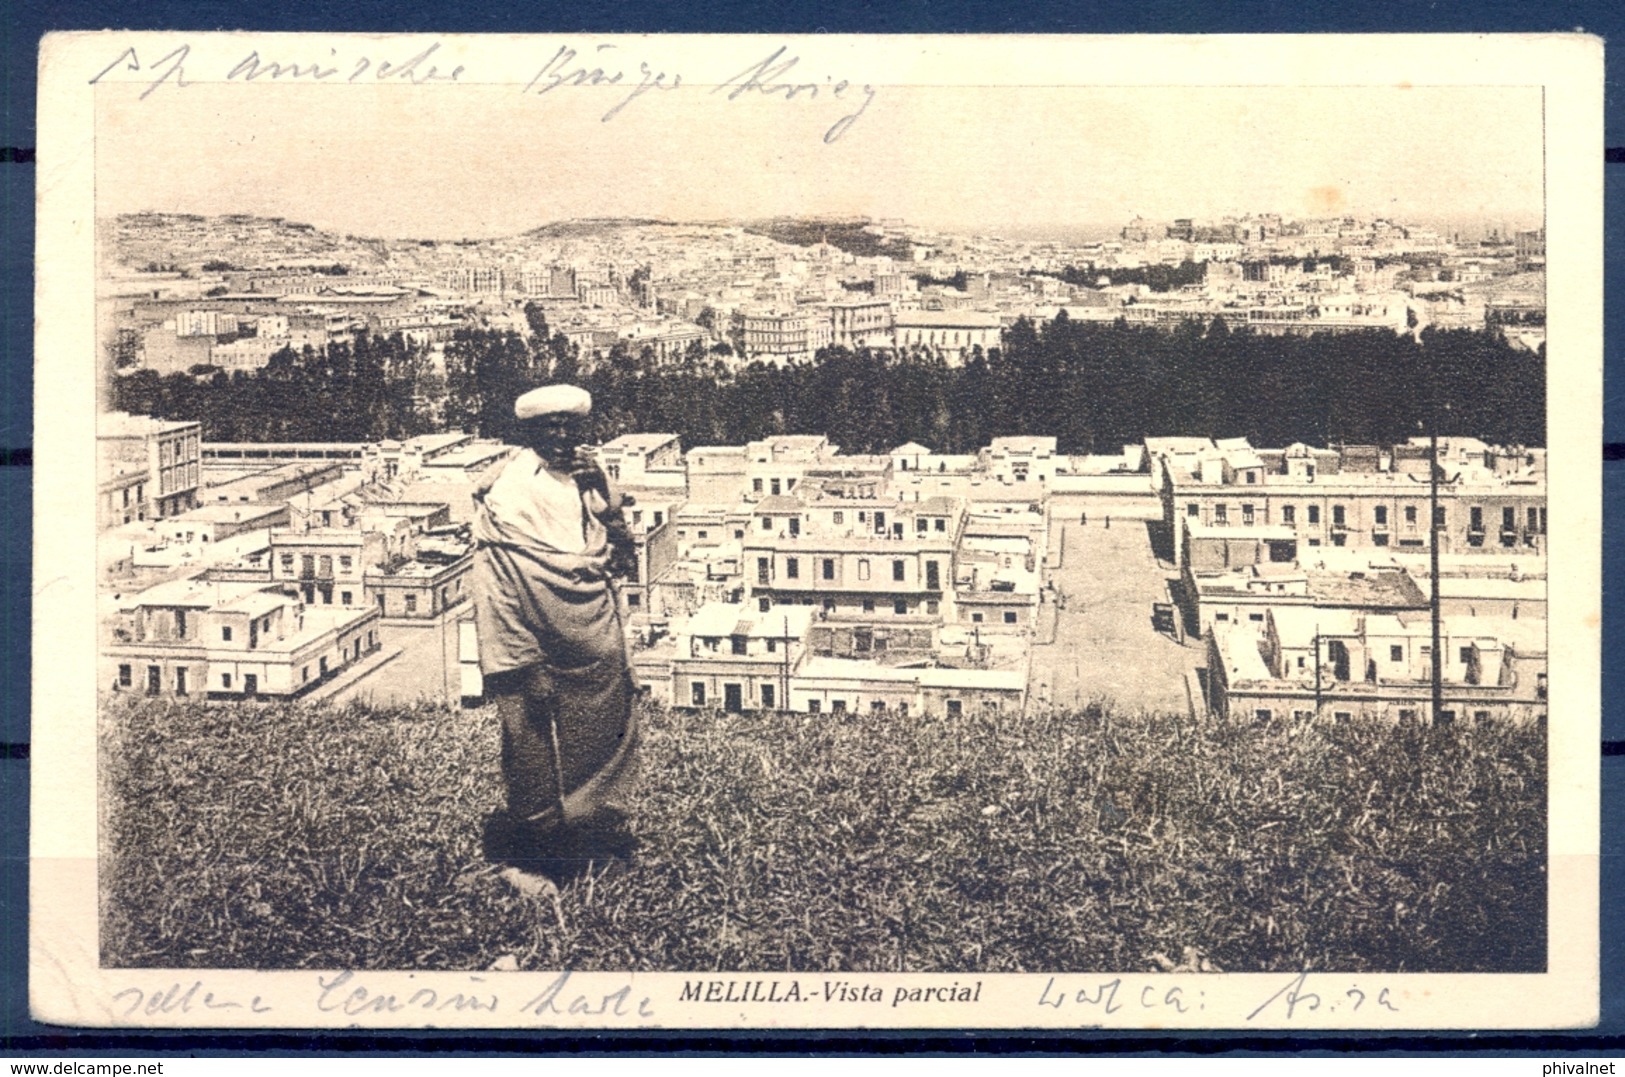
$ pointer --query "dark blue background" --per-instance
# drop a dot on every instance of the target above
(22, 24)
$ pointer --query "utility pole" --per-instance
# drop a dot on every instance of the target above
(1433, 566)
(1317, 673)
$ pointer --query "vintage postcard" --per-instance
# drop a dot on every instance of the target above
(827, 532)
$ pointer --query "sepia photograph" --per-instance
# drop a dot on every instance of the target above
(679, 532)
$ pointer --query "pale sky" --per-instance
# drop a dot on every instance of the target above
(451, 161)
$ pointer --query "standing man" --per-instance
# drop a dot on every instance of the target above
(549, 540)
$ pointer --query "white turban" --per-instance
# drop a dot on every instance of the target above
(553, 400)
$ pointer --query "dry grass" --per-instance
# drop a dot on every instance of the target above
(305, 836)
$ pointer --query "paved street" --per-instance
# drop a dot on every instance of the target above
(426, 667)
(1105, 647)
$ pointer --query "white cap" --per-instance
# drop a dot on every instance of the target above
(553, 400)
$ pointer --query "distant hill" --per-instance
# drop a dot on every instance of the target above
(588, 226)
(843, 233)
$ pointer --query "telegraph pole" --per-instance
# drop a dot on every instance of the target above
(1433, 566)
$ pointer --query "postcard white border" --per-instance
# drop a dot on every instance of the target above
(67, 986)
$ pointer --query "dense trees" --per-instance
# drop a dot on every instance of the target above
(1093, 386)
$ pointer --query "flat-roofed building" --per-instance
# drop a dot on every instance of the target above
(640, 463)
(951, 333)
(839, 685)
(1491, 500)
(1307, 663)
(738, 658)
(870, 565)
(169, 452)
(861, 323)
(216, 522)
(190, 638)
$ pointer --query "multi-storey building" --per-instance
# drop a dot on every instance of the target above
(1226, 503)
(867, 565)
(328, 565)
(230, 641)
(783, 335)
(121, 493)
(861, 323)
(170, 452)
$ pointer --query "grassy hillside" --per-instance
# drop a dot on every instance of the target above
(308, 836)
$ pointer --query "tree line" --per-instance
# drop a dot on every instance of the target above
(1093, 386)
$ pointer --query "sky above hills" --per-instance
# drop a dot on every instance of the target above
(483, 160)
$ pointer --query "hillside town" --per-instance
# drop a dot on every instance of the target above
(202, 295)
(1180, 575)
(1177, 574)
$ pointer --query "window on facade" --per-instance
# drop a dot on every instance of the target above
(1263, 714)
(411, 603)
(1379, 539)
(1342, 717)
(837, 706)
(868, 605)
(225, 633)
(764, 604)
(304, 674)
(1396, 653)
(764, 569)
(1252, 477)
(660, 518)
(1407, 716)
(1247, 515)
(225, 680)
(1314, 514)
(124, 675)
(829, 568)
(863, 568)
(955, 708)
(900, 606)
(1009, 617)
(704, 534)
(942, 525)
(737, 644)
(772, 645)
(1475, 518)
(840, 517)
(767, 524)
(154, 680)
(1339, 517)
(976, 618)
(1193, 509)
(346, 596)
(756, 485)
(1380, 514)
(1221, 514)
(1540, 686)
(815, 706)
(697, 693)
(1339, 539)
(775, 489)
(1289, 514)
(1410, 514)
(1255, 617)
(346, 562)
(1481, 717)
(897, 571)
(792, 567)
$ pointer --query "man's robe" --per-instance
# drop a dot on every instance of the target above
(549, 626)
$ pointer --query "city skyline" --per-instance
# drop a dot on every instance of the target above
(1084, 160)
